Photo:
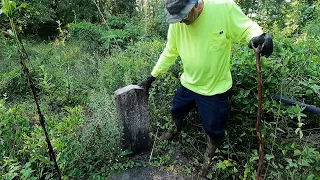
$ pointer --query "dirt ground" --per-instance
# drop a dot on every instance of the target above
(175, 172)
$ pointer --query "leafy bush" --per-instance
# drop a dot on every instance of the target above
(102, 133)
(92, 36)
(132, 65)
(99, 39)
(83, 144)
(75, 81)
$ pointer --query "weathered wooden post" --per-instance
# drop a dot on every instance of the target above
(132, 109)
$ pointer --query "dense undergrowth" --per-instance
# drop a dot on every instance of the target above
(77, 74)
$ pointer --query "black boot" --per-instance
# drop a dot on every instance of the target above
(171, 134)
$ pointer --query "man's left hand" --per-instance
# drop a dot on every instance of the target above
(266, 43)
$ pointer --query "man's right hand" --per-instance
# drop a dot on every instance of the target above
(266, 43)
(146, 84)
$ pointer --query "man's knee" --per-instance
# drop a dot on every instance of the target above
(216, 136)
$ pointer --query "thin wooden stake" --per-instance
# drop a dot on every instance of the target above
(259, 114)
(24, 58)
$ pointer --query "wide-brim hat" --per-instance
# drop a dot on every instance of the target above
(176, 10)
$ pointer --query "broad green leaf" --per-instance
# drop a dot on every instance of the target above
(227, 163)
(254, 158)
(23, 5)
(13, 4)
(284, 152)
(309, 151)
(4, 10)
(269, 157)
(235, 170)
(297, 153)
(304, 162)
(28, 164)
(221, 165)
(309, 92)
(310, 177)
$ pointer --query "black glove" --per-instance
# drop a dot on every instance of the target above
(265, 41)
(146, 84)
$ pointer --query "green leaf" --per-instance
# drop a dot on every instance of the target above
(292, 164)
(254, 158)
(126, 152)
(304, 162)
(188, 170)
(303, 115)
(269, 157)
(28, 164)
(297, 153)
(5, 10)
(10, 32)
(293, 145)
(235, 170)
(221, 165)
(310, 177)
(284, 152)
(26, 173)
(227, 163)
(23, 5)
(13, 4)
(309, 92)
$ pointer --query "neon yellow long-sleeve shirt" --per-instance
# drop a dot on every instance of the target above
(205, 46)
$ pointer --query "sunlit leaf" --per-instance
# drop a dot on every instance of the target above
(4, 10)
(24, 5)
(221, 165)
(13, 4)
(10, 32)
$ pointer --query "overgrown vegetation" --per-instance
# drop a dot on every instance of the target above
(82, 51)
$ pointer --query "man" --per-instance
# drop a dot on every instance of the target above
(201, 32)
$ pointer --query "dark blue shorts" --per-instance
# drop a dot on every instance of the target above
(214, 109)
